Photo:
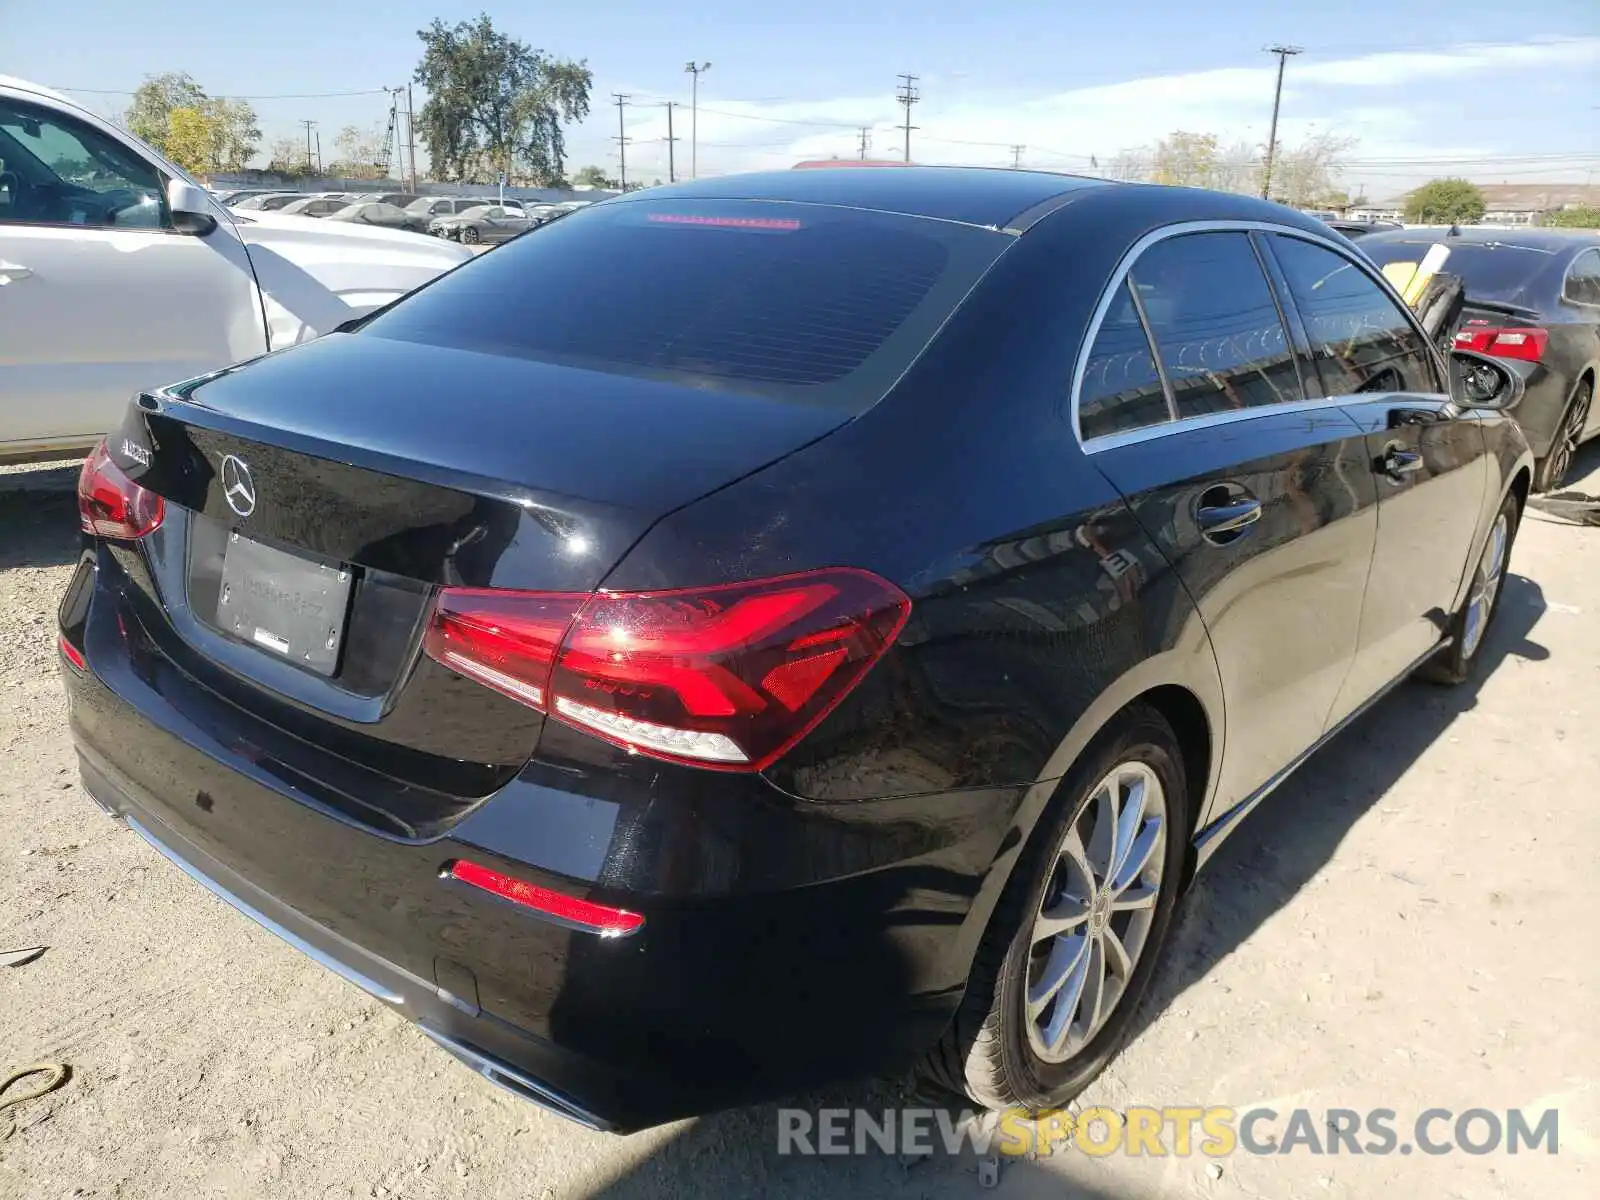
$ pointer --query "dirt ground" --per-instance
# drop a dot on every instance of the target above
(1409, 923)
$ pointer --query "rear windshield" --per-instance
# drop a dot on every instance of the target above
(798, 302)
(1488, 272)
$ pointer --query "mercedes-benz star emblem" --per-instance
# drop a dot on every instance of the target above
(238, 489)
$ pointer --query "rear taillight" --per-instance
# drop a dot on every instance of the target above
(581, 914)
(1525, 344)
(112, 505)
(727, 677)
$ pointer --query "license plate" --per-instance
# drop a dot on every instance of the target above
(287, 606)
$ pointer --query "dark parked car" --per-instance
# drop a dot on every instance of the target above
(836, 655)
(1532, 297)
(1360, 229)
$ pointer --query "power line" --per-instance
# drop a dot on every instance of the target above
(908, 95)
(1283, 53)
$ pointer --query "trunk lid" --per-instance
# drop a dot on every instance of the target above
(377, 471)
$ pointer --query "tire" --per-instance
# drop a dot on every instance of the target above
(1552, 469)
(1469, 629)
(470, 236)
(994, 1051)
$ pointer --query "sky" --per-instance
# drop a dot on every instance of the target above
(1494, 92)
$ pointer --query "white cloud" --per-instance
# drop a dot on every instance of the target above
(1372, 98)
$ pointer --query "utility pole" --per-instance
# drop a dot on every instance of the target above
(411, 139)
(907, 95)
(672, 159)
(310, 125)
(319, 152)
(697, 70)
(1283, 53)
(1016, 156)
(863, 141)
(622, 99)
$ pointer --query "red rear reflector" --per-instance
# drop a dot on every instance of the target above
(1525, 344)
(724, 222)
(112, 505)
(727, 677)
(593, 918)
(70, 652)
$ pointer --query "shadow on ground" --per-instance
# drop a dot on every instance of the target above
(1275, 853)
(39, 517)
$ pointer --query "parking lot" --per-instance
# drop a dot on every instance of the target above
(1407, 924)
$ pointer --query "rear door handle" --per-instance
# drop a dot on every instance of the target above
(1228, 518)
(13, 272)
(1397, 463)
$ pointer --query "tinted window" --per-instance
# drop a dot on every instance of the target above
(1121, 388)
(1498, 271)
(807, 303)
(1215, 324)
(61, 172)
(1583, 278)
(1362, 340)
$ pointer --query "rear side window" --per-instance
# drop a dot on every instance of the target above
(1215, 324)
(1121, 387)
(1361, 339)
(1496, 271)
(797, 302)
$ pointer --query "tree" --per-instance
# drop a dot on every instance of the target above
(359, 154)
(1445, 202)
(286, 156)
(191, 139)
(237, 134)
(149, 115)
(1185, 159)
(591, 176)
(1582, 216)
(1303, 175)
(495, 104)
(234, 134)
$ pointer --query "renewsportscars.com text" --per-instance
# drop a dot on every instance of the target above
(1177, 1130)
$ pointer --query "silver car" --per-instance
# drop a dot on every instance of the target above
(487, 223)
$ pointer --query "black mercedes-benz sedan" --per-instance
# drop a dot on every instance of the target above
(1533, 299)
(783, 628)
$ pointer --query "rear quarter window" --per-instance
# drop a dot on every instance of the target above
(804, 303)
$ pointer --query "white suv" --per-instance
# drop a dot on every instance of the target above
(118, 272)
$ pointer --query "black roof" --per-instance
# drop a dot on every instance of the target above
(992, 197)
(971, 195)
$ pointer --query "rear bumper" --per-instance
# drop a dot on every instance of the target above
(785, 946)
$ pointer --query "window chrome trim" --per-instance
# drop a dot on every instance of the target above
(1183, 424)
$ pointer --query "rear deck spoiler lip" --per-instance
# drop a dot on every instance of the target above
(1502, 306)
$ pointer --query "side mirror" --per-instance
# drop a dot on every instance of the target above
(190, 208)
(1479, 381)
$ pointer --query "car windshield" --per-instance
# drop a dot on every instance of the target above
(1488, 270)
(805, 303)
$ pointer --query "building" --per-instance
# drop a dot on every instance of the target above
(1504, 203)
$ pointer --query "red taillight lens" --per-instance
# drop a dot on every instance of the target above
(112, 505)
(1525, 344)
(70, 652)
(586, 915)
(726, 677)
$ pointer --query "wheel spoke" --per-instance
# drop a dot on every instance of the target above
(1066, 914)
(1094, 1004)
(1128, 819)
(1138, 856)
(1117, 960)
(1103, 841)
(1068, 1000)
(1065, 961)
(1135, 898)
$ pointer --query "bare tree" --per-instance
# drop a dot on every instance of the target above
(359, 154)
(1307, 175)
(1130, 165)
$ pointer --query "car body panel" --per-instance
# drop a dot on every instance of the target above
(841, 894)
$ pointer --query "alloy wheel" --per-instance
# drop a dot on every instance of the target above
(1565, 447)
(1097, 911)
(1485, 587)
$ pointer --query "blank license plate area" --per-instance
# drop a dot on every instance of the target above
(287, 606)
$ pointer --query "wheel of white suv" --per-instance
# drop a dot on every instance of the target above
(1074, 940)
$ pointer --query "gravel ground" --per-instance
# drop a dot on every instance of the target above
(1408, 923)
